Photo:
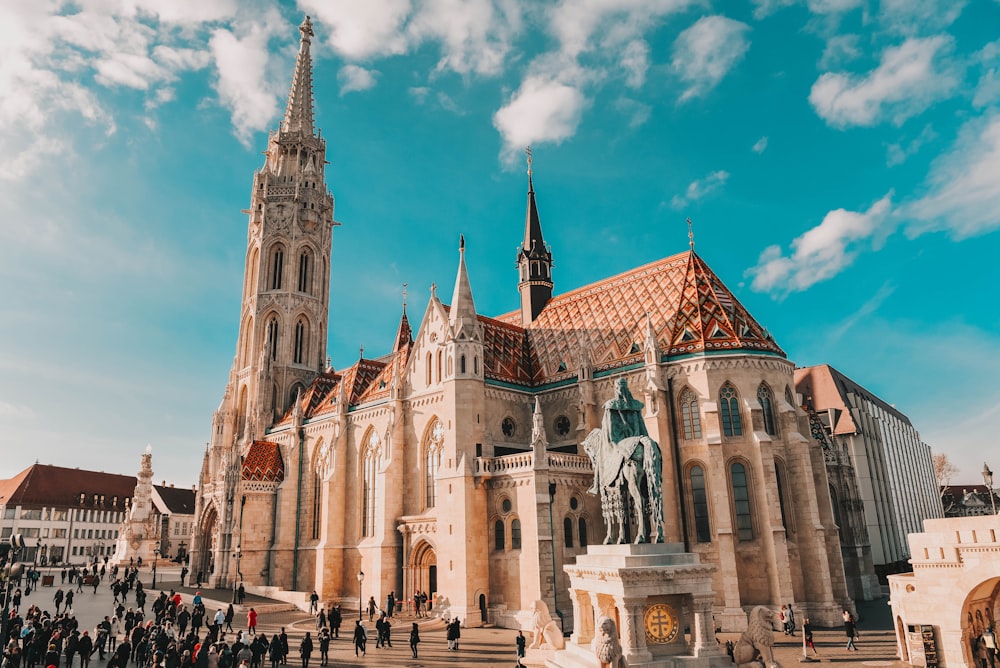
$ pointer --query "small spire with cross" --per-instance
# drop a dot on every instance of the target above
(434, 289)
(690, 233)
(404, 295)
(361, 350)
(527, 152)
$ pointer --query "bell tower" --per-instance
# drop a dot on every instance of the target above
(534, 261)
(283, 320)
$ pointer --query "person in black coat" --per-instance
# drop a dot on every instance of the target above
(306, 650)
(85, 647)
(360, 638)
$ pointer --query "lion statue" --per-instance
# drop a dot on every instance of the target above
(754, 649)
(548, 635)
(606, 646)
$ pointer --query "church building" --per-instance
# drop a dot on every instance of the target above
(453, 463)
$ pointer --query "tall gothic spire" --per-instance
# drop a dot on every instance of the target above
(299, 112)
(462, 312)
(534, 261)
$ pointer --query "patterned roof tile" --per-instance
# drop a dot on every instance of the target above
(263, 463)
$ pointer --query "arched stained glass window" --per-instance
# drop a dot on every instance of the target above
(690, 415)
(741, 501)
(515, 534)
(729, 411)
(499, 539)
(277, 267)
(568, 532)
(582, 532)
(300, 342)
(766, 400)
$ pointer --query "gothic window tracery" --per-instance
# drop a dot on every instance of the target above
(699, 504)
(432, 461)
(300, 342)
(277, 267)
(729, 411)
(568, 532)
(372, 450)
(515, 534)
(271, 339)
(766, 400)
(305, 271)
(582, 532)
(741, 501)
(690, 415)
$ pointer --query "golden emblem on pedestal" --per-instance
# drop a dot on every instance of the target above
(661, 623)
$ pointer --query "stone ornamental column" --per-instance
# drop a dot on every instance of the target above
(583, 616)
(633, 635)
(703, 638)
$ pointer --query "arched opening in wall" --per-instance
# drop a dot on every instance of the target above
(250, 282)
(208, 543)
(483, 615)
(241, 413)
(977, 613)
(423, 570)
(277, 267)
(247, 351)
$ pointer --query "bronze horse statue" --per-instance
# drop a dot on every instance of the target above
(633, 465)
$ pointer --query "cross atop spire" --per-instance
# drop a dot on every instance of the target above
(527, 152)
(299, 112)
(690, 233)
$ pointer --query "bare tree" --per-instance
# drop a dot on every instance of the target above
(943, 471)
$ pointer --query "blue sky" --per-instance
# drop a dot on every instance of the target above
(840, 160)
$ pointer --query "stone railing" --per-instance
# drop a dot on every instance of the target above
(488, 467)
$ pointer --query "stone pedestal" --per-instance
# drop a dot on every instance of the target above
(654, 592)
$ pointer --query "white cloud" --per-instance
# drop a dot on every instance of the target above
(700, 188)
(759, 146)
(898, 152)
(913, 17)
(839, 50)
(637, 112)
(475, 36)
(355, 78)
(705, 52)
(820, 253)
(635, 61)
(764, 8)
(242, 82)
(988, 88)
(964, 187)
(541, 110)
(909, 79)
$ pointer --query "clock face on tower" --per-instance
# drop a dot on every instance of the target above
(661, 624)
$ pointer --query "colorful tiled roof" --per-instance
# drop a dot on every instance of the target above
(690, 309)
(263, 463)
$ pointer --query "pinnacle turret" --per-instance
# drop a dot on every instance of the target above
(299, 112)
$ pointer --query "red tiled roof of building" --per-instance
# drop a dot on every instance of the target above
(263, 463)
(179, 500)
(43, 485)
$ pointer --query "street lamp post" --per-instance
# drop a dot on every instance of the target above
(238, 553)
(361, 598)
(555, 584)
(156, 555)
(988, 479)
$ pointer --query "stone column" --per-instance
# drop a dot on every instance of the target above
(583, 616)
(632, 634)
(703, 642)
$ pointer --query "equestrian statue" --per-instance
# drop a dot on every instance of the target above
(628, 470)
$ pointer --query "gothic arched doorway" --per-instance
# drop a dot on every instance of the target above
(203, 562)
(423, 570)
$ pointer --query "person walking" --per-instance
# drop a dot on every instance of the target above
(306, 650)
(372, 608)
(85, 648)
(230, 613)
(390, 604)
(283, 637)
(313, 602)
(414, 638)
(336, 619)
(851, 629)
(321, 619)
(274, 651)
(791, 621)
(360, 638)
(252, 621)
(807, 632)
(324, 646)
(520, 641)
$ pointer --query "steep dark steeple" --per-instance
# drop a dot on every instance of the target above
(534, 261)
